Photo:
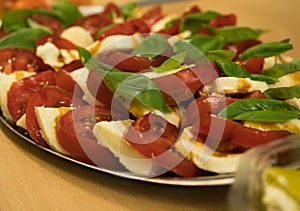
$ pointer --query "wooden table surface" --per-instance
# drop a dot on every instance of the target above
(32, 179)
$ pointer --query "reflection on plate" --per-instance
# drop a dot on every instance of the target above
(195, 181)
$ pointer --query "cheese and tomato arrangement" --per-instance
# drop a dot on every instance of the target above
(146, 92)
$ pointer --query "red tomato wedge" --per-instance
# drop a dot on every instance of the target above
(21, 91)
(235, 133)
(58, 41)
(153, 137)
(50, 96)
(75, 134)
(12, 59)
(49, 22)
(153, 15)
(127, 28)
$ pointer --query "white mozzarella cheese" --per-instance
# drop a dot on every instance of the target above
(54, 56)
(292, 126)
(153, 74)
(47, 119)
(22, 122)
(294, 102)
(288, 80)
(80, 76)
(233, 85)
(205, 158)
(159, 25)
(111, 135)
(78, 36)
(270, 61)
(6, 80)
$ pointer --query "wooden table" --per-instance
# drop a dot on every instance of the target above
(32, 179)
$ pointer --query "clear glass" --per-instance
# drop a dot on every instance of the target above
(246, 191)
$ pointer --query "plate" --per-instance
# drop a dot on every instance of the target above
(214, 180)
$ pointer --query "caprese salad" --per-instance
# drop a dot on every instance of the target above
(146, 92)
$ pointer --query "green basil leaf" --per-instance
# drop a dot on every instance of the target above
(193, 53)
(279, 70)
(34, 25)
(127, 10)
(17, 19)
(170, 23)
(84, 55)
(66, 12)
(214, 55)
(23, 38)
(266, 50)
(232, 34)
(232, 69)
(104, 29)
(171, 63)
(283, 93)
(152, 46)
(206, 43)
(240, 107)
(130, 85)
(268, 116)
(194, 21)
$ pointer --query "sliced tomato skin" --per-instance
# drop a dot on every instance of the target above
(253, 65)
(21, 91)
(73, 65)
(240, 47)
(153, 15)
(50, 96)
(12, 59)
(224, 20)
(150, 143)
(65, 81)
(235, 133)
(49, 22)
(127, 28)
(75, 134)
(58, 41)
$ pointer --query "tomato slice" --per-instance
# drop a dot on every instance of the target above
(224, 20)
(73, 65)
(50, 96)
(153, 15)
(65, 81)
(147, 138)
(12, 59)
(49, 22)
(111, 8)
(253, 65)
(58, 41)
(235, 133)
(127, 28)
(20, 92)
(240, 47)
(93, 23)
(75, 134)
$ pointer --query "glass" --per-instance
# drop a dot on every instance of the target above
(247, 191)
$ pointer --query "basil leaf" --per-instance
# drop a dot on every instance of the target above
(266, 50)
(232, 69)
(152, 46)
(268, 116)
(34, 25)
(170, 23)
(66, 12)
(283, 93)
(206, 43)
(194, 21)
(17, 19)
(171, 63)
(84, 55)
(279, 70)
(232, 34)
(23, 38)
(127, 10)
(220, 55)
(193, 53)
(130, 85)
(238, 108)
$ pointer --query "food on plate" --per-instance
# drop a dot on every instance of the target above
(281, 189)
(150, 93)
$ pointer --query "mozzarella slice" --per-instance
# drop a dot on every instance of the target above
(78, 36)
(294, 102)
(159, 25)
(6, 80)
(270, 61)
(22, 122)
(292, 126)
(111, 135)
(205, 158)
(233, 85)
(80, 76)
(54, 56)
(47, 119)
(288, 80)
